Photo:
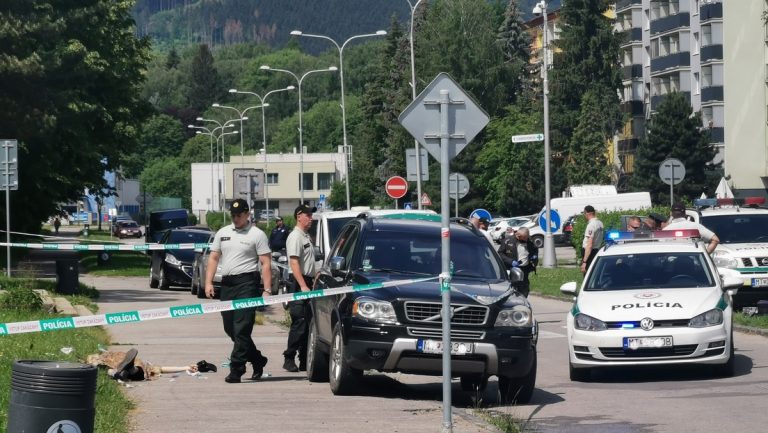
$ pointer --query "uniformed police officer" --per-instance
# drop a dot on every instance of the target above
(241, 246)
(593, 238)
(518, 251)
(301, 258)
(279, 235)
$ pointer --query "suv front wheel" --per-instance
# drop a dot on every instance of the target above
(317, 361)
(343, 378)
(518, 389)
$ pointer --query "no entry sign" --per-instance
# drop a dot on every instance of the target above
(396, 187)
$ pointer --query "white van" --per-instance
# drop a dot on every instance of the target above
(569, 206)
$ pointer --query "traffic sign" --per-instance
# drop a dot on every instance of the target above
(396, 187)
(410, 164)
(526, 138)
(425, 200)
(422, 117)
(481, 213)
(407, 206)
(672, 171)
(555, 225)
(458, 185)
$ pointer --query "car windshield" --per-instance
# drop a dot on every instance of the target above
(185, 237)
(472, 257)
(650, 270)
(130, 225)
(738, 228)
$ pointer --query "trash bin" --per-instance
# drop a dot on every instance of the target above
(67, 274)
(52, 397)
(85, 229)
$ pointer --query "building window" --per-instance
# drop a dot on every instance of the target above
(706, 76)
(628, 57)
(325, 181)
(696, 43)
(696, 83)
(706, 35)
(674, 7)
(308, 184)
(706, 116)
(272, 178)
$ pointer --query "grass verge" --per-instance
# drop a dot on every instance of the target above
(503, 421)
(547, 281)
(122, 264)
(751, 321)
(112, 406)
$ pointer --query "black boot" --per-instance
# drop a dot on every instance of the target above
(290, 365)
(258, 368)
(234, 374)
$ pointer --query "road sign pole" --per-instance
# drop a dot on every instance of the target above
(7, 145)
(445, 277)
(672, 187)
(456, 214)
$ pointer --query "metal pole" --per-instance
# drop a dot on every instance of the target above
(264, 144)
(550, 261)
(242, 153)
(456, 213)
(344, 123)
(445, 277)
(213, 179)
(672, 185)
(413, 95)
(7, 144)
(301, 150)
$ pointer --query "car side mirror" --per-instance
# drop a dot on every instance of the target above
(276, 254)
(569, 288)
(337, 265)
(516, 275)
(731, 284)
(282, 259)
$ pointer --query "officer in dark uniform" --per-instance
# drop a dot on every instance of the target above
(279, 235)
(518, 251)
(241, 247)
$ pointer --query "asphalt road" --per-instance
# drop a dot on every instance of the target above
(627, 401)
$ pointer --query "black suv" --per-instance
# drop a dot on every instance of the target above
(399, 328)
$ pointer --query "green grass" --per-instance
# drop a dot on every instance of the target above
(503, 421)
(122, 264)
(753, 321)
(112, 406)
(547, 281)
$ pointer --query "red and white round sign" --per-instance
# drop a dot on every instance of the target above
(396, 187)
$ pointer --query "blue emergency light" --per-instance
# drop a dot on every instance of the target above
(614, 236)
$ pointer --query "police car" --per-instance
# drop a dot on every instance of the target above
(743, 248)
(651, 299)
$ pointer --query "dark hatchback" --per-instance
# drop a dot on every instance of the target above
(173, 267)
(399, 328)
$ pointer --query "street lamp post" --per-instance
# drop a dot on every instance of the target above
(241, 118)
(263, 101)
(299, 80)
(550, 260)
(343, 104)
(205, 131)
(227, 124)
(413, 93)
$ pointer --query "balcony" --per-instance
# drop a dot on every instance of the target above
(711, 52)
(671, 22)
(672, 61)
(658, 99)
(713, 93)
(635, 108)
(633, 35)
(711, 11)
(717, 134)
(631, 71)
(627, 145)
(624, 4)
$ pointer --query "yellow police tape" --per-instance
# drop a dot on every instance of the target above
(186, 310)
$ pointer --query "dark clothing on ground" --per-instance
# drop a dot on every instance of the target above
(591, 257)
(301, 314)
(278, 237)
(509, 253)
(238, 324)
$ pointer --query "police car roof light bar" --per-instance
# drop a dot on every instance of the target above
(615, 236)
(722, 202)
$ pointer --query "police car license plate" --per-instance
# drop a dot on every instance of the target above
(634, 343)
(759, 282)
(436, 346)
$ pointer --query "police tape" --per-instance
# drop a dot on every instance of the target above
(105, 247)
(189, 310)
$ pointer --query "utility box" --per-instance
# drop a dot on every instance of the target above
(52, 396)
(67, 276)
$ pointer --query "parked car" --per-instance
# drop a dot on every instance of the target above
(568, 229)
(162, 220)
(127, 229)
(497, 229)
(173, 267)
(399, 328)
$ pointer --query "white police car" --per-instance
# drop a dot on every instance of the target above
(651, 299)
(743, 248)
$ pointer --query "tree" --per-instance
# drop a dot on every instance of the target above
(168, 177)
(204, 84)
(159, 136)
(71, 73)
(515, 44)
(588, 162)
(173, 60)
(674, 131)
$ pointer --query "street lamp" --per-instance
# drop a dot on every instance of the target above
(341, 77)
(550, 260)
(299, 80)
(205, 131)
(227, 124)
(264, 136)
(241, 118)
(413, 93)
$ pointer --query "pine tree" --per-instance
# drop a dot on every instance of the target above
(204, 85)
(674, 131)
(588, 162)
(515, 45)
(172, 60)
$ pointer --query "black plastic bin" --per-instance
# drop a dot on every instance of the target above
(52, 396)
(67, 276)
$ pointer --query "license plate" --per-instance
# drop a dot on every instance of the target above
(436, 346)
(634, 343)
(759, 282)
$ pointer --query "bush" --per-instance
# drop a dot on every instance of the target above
(21, 298)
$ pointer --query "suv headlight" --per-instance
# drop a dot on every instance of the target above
(519, 315)
(171, 259)
(723, 259)
(712, 317)
(588, 323)
(375, 310)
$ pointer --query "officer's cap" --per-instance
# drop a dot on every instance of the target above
(302, 208)
(238, 206)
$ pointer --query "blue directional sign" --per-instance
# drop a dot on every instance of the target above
(481, 213)
(407, 206)
(555, 221)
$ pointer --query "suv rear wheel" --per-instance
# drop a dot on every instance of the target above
(317, 361)
(343, 378)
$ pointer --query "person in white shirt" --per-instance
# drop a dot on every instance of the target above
(593, 238)
(679, 221)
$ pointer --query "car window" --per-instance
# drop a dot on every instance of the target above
(738, 228)
(185, 237)
(344, 245)
(650, 270)
(334, 228)
(471, 256)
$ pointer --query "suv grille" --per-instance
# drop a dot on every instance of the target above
(437, 333)
(430, 312)
(747, 261)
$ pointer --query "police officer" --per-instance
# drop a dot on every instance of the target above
(240, 246)
(593, 238)
(279, 235)
(301, 259)
(679, 221)
(518, 251)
